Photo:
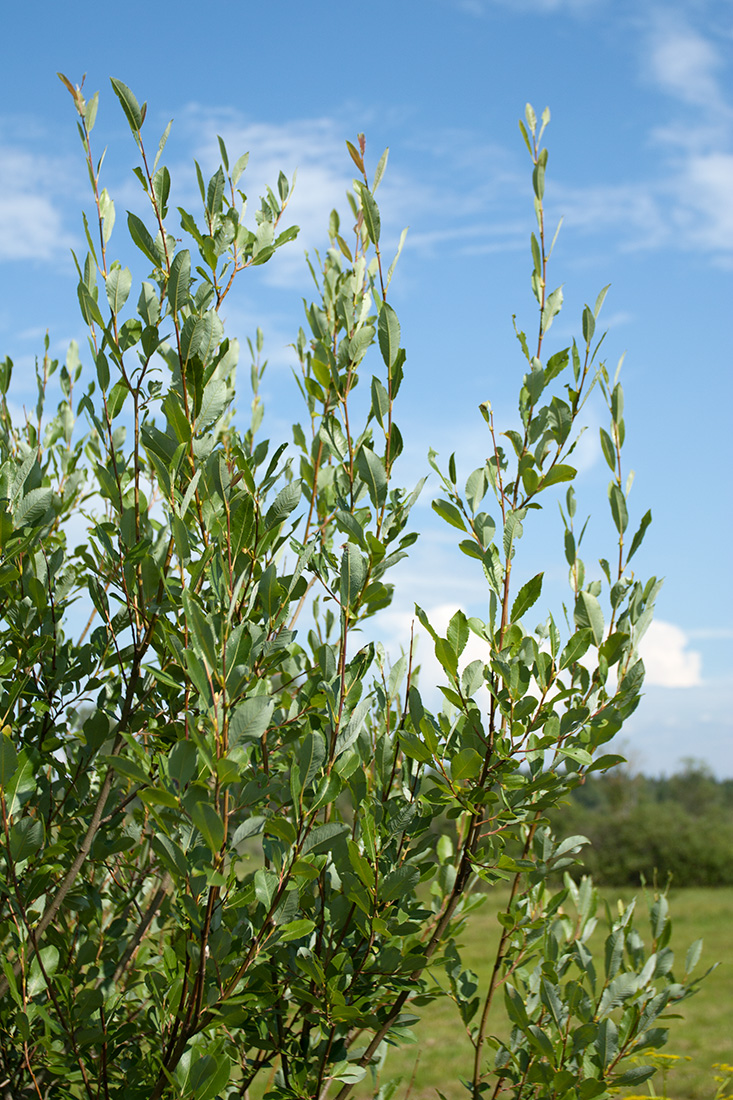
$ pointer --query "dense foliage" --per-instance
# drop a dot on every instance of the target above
(680, 827)
(218, 864)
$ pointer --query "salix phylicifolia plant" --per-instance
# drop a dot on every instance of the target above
(236, 848)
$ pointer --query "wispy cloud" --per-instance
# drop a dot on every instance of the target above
(478, 8)
(32, 223)
(696, 143)
(633, 211)
(711, 633)
(703, 212)
(682, 61)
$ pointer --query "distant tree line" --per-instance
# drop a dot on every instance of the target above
(680, 826)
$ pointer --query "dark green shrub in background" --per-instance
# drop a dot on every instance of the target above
(680, 827)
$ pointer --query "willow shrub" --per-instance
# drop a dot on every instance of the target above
(220, 859)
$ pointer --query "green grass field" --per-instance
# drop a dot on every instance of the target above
(703, 1037)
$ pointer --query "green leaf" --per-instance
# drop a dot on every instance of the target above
(348, 1072)
(44, 965)
(159, 796)
(239, 166)
(388, 330)
(551, 1000)
(208, 1076)
(202, 631)
(171, 854)
(311, 756)
(215, 193)
(270, 592)
(693, 956)
(348, 523)
(162, 189)
(513, 530)
(634, 1076)
(214, 401)
(33, 507)
(446, 656)
(26, 837)
(134, 114)
(199, 337)
(266, 884)
(142, 238)
(8, 759)
(553, 305)
(399, 883)
(88, 304)
(380, 402)
(371, 471)
(179, 280)
(493, 568)
(161, 144)
(353, 574)
(558, 474)
(251, 719)
(415, 748)
(117, 287)
(609, 451)
(515, 1007)
(576, 647)
(457, 633)
(209, 824)
(349, 732)
(285, 502)
(323, 837)
(538, 175)
(372, 220)
(182, 762)
(379, 170)
(449, 513)
(102, 372)
(639, 536)
(148, 304)
(295, 930)
(527, 596)
(607, 1042)
(466, 764)
(356, 157)
(589, 324)
(476, 487)
(540, 1040)
(618, 507)
(588, 613)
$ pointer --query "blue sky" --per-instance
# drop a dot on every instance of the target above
(640, 168)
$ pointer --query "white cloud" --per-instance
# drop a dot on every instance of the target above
(667, 659)
(30, 228)
(472, 7)
(477, 8)
(693, 194)
(31, 222)
(722, 633)
(682, 62)
(631, 210)
(704, 211)
(689, 207)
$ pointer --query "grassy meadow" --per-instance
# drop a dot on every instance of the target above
(701, 1038)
